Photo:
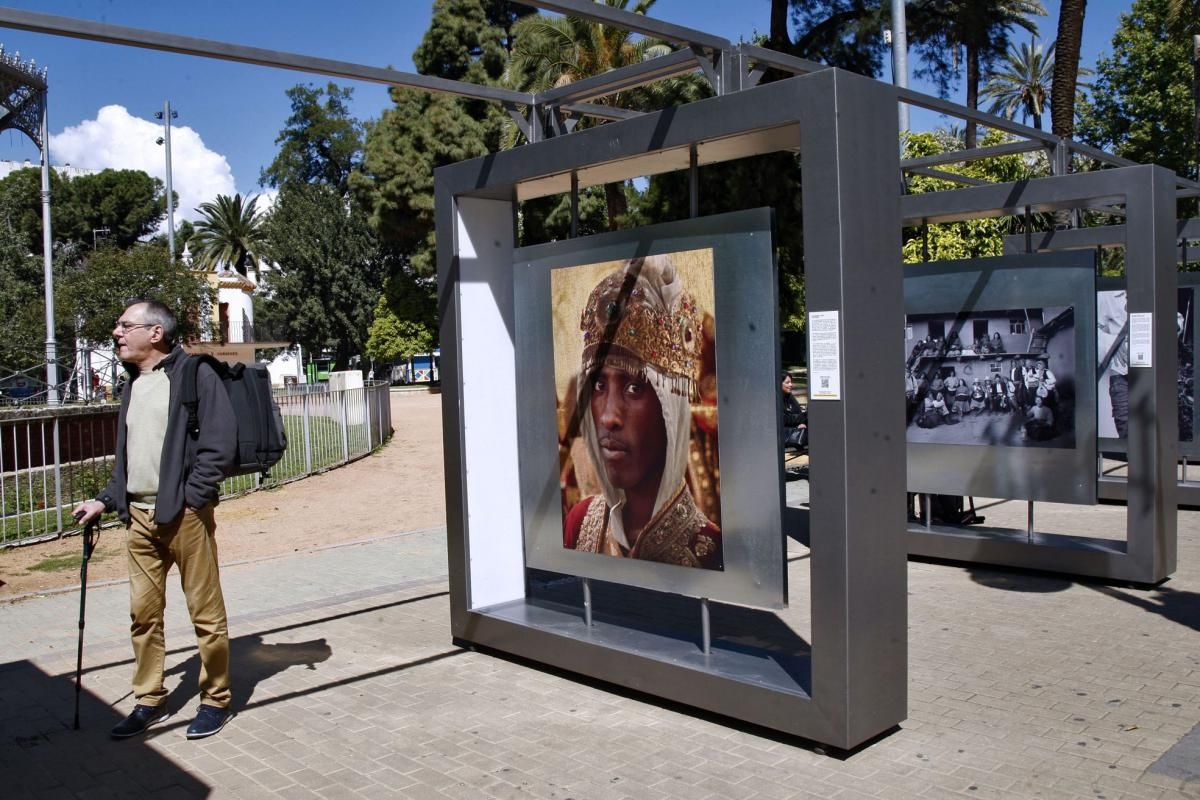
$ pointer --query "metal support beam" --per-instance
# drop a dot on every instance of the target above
(678, 63)
(763, 57)
(627, 20)
(600, 112)
(953, 177)
(967, 156)
(988, 120)
(208, 48)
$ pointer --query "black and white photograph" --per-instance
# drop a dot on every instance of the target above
(1002, 377)
(1112, 369)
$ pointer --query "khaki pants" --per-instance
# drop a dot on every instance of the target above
(191, 543)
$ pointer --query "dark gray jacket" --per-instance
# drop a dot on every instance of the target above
(192, 467)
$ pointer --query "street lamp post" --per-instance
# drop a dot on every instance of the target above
(900, 56)
(166, 115)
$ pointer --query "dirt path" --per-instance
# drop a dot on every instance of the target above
(399, 488)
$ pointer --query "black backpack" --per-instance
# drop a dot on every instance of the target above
(260, 433)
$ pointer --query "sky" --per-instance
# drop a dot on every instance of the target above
(103, 97)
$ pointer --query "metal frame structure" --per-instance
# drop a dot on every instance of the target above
(1114, 487)
(856, 683)
(1148, 553)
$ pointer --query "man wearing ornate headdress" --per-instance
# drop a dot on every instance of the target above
(642, 334)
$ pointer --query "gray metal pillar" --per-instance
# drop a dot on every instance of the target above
(900, 56)
(166, 118)
(856, 656)
(1153, 419)
(48, 263)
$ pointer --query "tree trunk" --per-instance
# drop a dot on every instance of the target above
(972, 93)
(1066, 67)
(618, 206)
(1196, 101)
(780, 40)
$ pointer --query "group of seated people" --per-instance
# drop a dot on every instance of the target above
(1029, 391)
(952, 347)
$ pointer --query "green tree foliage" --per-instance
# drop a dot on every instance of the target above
(770, 180)
(321, 141)
(128, 203)
(467, 40)
(22, 303)
(405, 321)
(841, 33)
(974, 238)
(1141, 105)
(229, 234)
(330, 269)
(979, 29)
(422, 132)
(556, 51)
(1022, 83)
(97, 292)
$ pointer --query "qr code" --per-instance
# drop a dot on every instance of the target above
(824, 382)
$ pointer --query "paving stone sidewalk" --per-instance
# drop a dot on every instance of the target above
(348, 686)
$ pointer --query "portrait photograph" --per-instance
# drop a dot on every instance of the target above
(992, 377)
(635, 381)
(1112, 368)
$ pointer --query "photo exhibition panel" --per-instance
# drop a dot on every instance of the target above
(623, 340)
(999, 377)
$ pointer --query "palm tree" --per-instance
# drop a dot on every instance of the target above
(1066, 67)
(980, 28)
(1022, 84)
(549, 52)
(230, 233)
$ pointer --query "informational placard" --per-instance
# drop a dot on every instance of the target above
(824, 356)
(1141, 329)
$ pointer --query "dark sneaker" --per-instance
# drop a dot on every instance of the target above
(209, 720)
(139, 719)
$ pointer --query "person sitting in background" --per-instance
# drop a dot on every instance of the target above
(997, 343)
(935, 410)
(977, 397)
(795, 418)
(1039, 424)
(962, 398)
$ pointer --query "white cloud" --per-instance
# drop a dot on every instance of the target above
(118, 140)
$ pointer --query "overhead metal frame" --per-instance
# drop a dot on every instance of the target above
(858, 657)
(1148, 552)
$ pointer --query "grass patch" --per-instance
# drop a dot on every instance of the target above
(71, 561)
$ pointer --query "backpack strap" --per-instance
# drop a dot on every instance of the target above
(188, 392)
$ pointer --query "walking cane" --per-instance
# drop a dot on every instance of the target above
(89, 544)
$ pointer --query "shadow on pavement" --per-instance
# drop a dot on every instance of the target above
(1179, 607)
(42, 756)
(251, 662)
(1020, 581)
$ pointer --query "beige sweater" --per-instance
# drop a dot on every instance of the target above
(147, 430)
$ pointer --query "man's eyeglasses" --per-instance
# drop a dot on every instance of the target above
(128, 326)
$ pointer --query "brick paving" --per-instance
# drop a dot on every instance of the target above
(347, 686)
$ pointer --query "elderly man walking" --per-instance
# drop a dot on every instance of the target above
(164, 487)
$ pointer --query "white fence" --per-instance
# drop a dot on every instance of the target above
(51, 458)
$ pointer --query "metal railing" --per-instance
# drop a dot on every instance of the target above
(52, 458)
